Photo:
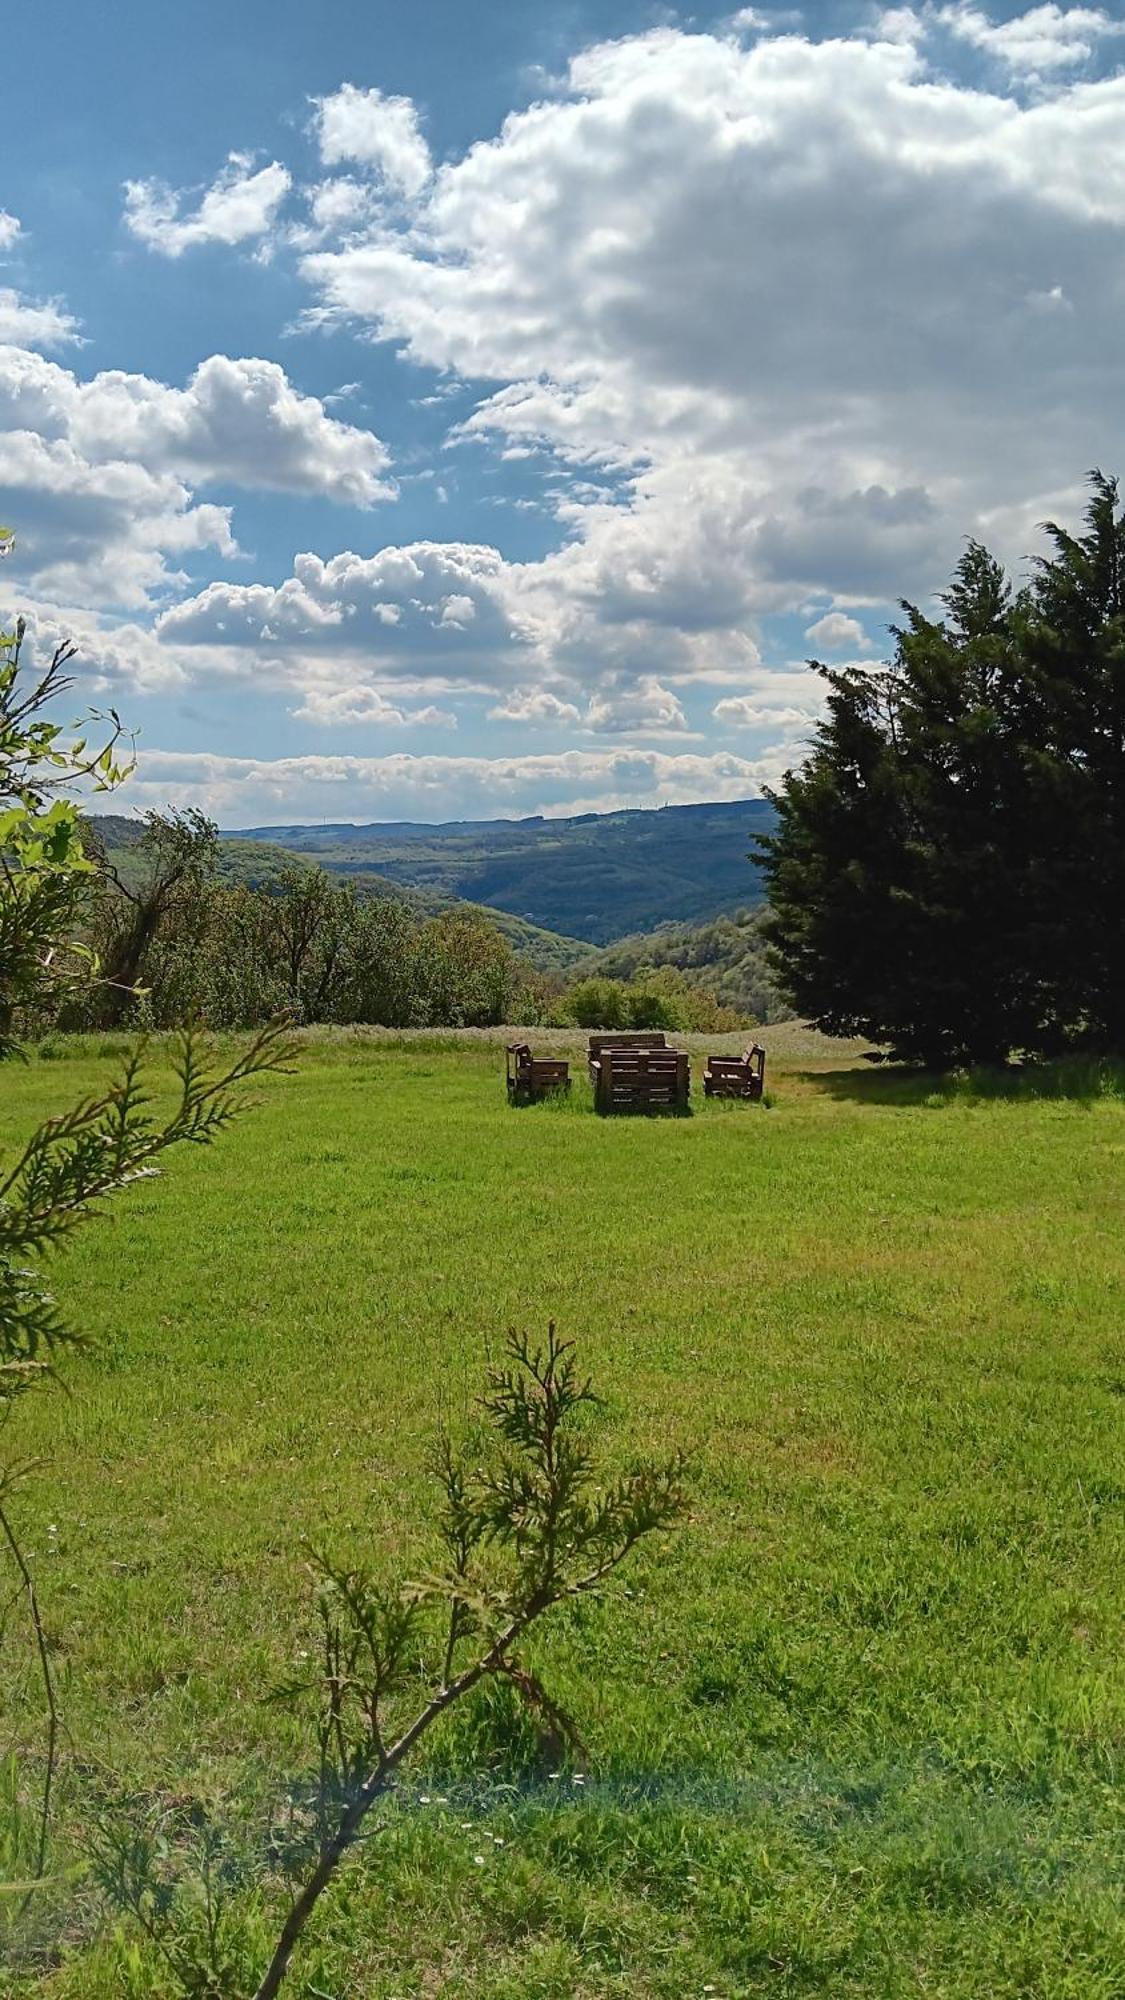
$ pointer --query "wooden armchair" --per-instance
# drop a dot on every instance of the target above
(736, 1076)
(531, 1077)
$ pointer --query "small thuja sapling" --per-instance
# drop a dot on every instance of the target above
(521, 1532)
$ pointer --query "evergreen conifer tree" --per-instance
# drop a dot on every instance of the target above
(948, 872)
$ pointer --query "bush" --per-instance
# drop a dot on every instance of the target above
(595, 1003)
(654, 999)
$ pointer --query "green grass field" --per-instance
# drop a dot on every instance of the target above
(858, 1730)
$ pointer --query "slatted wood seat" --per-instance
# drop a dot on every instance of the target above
(531, 1077)
(736, 1076)
(646, 1038)
(644, 1079)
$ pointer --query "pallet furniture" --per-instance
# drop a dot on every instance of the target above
(647, 1038)
(640, 1079)
(531, 1077)
(736, 1076)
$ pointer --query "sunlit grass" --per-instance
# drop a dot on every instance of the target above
(858, 1732)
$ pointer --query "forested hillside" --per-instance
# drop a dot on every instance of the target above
(261, 864)
(727, 957)
(597, 877)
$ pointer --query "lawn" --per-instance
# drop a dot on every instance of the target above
(856, 1730)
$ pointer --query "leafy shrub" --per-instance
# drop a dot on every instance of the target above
(655, 999)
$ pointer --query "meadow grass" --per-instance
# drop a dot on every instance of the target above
(858, 1729)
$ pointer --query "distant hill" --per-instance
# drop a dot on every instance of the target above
(726, 956)
(597, 877)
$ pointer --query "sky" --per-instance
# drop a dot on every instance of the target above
(454, 411)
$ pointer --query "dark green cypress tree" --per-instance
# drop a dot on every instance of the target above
(1075, 652)
(837, 868)
(948, 872)
(978, 980)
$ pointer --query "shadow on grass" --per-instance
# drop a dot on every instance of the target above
(580, 1099)
(646, 1111)
(1073, 1079)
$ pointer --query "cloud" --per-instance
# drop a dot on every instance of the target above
(750, 712)
(241, 203)
(339, 205)
(1035, 44)
(100, 475)
(535, 705)
(46, 324)
(110, 656)
(835, 631)
(240, 421)
(768, 324)
(105, 532)
(365, 704)
(796, 368)
(438, 607)
(10, 231)
(380, 133)
(635, 709)
(246, 791)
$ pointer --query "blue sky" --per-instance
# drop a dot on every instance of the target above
(433, 412)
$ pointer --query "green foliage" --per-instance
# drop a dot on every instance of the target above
(726, 958)
(42, 862)
(948, 873)
(596, 1003)
(262, 864)
(171, 1869)
(72, 1163)
(654, 998)
(176, 857)
(178, 944)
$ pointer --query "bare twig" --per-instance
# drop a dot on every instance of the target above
(50, 1700)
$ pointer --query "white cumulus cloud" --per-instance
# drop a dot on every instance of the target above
(100, 475)
(535, 705)
(364, 704)
(383, 134)
(835, 631)
(31, 323)
(247, 791)
(437, 607)
(1042, 41)
(774, 322)
(242, 203)
(800, 369)
(638, 708)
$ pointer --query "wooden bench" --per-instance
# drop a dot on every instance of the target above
(736, 1076)
(531, 1077)
(640, 1079)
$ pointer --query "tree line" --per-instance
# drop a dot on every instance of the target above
(175, 943)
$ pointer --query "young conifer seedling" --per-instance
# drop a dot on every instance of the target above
(521, 1532)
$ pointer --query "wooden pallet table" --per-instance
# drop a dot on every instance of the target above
(640, 1079)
